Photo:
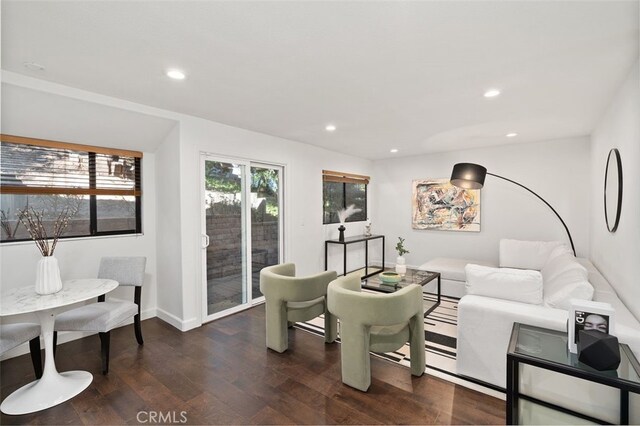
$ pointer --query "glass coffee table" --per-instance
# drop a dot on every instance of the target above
(413, 276)
(547, 383)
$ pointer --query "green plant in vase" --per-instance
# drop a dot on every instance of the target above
(401, 266)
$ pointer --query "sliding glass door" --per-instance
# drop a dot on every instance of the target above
(241, 229)
(266, 221)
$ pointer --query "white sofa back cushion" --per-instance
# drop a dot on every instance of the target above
(525, 254)
(504, 283)
(564, 279)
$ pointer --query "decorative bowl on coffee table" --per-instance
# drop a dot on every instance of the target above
(389, 277)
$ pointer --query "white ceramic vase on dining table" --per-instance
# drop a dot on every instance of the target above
(48, 276)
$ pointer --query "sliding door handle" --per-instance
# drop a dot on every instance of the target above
(205, 242)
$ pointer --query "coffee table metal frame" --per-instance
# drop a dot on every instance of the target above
(413, 276)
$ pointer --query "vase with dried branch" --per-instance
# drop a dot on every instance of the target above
(47, 272)
(343, 215)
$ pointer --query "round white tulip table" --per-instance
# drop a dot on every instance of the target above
(53, 388)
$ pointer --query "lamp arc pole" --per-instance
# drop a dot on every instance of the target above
(566, 228)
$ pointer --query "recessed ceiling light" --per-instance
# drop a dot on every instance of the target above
(511, 135)
(491, 93)
(393, 151)
(330, 127)
(33, 66)
(176, 74)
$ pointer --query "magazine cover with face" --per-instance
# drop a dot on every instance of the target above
(587, 315)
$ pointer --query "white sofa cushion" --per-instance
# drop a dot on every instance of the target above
(484, 329)
(485, 324)
(561, 264)
(559, 251)
(525, 254)
(564, 278)
(505, 283)
(450, 269)
(569, 285)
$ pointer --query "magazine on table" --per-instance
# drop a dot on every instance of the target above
(588, 315)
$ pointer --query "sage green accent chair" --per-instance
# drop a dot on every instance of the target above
(289, 299)
(381, 322)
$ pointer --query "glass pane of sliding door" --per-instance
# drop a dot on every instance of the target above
(225, 232)
(241, 231)
(266, 217)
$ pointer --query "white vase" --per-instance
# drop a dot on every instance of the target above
(48, 276)
(401, 268)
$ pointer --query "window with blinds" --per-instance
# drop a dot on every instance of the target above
(340, 190)
(101, 185)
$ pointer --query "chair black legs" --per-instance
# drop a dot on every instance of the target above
(136, 319)
(105, 339)
(138, 330)
(36, 358)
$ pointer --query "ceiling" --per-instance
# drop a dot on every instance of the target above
(42, 115)
(405, 75)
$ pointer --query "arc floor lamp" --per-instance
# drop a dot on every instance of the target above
(471, 176)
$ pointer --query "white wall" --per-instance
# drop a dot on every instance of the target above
(80, 258)
(617, 254)
(171, 206)
(169, 237)
(76, 114)
(557, 170)
(304, 232)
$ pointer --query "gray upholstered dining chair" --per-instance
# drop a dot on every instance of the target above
(13, 335)
(381, 322)
(102, 317)
(290, 299)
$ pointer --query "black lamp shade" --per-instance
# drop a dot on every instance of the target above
(468, 175)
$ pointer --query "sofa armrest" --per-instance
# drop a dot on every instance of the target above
(484, 329)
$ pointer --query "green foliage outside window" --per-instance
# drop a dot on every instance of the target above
(339, 195)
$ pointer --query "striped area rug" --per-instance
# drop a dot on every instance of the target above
(440, 330)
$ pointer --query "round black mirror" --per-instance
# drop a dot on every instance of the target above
(613, 190)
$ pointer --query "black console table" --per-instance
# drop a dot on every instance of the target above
(353, 240)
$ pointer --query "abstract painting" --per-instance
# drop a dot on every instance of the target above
(441, 206)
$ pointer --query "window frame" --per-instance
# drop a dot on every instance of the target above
(92, 191)
(345, 178)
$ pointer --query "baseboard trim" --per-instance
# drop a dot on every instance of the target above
(182, 325)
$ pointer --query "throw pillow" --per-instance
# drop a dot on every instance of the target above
(565, 279)
(525, 254)
(567, 285)
(558, 251)
(517, 285)
(559, 296)
(560, 264)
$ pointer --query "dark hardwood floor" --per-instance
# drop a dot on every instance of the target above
(222, 373)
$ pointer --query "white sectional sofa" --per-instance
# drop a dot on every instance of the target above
(452, 275)
(485, 323)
